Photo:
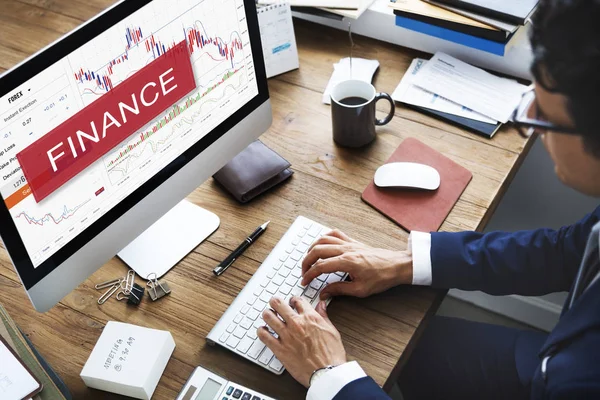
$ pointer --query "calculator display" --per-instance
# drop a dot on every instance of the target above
(209, 390)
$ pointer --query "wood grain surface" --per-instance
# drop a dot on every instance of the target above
(326, 186)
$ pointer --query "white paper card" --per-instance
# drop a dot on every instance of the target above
(15, 381)
(278, 39)
(361, 69)
(470, 86)
(408, 93)
(128, 360)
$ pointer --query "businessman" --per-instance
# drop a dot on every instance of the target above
(456, 359)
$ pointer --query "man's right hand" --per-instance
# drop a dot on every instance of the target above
(371, 270)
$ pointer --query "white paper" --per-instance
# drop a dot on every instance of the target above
(15, 381)
(407, 92)
(347, 4)
(470, 86)
(362, 70)
(278, 39)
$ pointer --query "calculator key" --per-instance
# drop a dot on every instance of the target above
(256, 349)
(231, 328)
(225, 398)
(247, 396)
(230, 391)
(233, 341)
(244, 345)
(237, 394)
(238, 319)
(272, 288)
(266, 356)
(247, 323)
(276, 365)
(255, 398)
(239, 332)
(245, 309)
(224, 337)
(253, 314)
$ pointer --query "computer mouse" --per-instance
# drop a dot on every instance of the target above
(407, 175)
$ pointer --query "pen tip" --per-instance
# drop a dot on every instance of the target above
(264, 226)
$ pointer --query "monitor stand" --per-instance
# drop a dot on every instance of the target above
(169, 239)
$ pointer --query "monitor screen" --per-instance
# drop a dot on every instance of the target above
(79, 70)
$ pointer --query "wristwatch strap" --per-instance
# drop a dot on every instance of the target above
(318, 372)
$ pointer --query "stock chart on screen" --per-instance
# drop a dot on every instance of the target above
(216, 35)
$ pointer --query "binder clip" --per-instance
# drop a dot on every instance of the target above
(133, 295)
(156, 289)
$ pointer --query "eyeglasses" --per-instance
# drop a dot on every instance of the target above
(527, 121)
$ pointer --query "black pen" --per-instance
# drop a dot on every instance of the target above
(222, 267)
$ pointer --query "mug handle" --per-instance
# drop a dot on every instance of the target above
(386, 120)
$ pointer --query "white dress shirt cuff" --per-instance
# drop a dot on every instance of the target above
(327, 386)
(420, 245)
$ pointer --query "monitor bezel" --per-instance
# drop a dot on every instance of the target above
(20, 74)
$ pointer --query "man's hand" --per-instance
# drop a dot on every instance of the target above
(371, 270)
(307, 340)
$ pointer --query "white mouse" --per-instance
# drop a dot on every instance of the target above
(407, 175)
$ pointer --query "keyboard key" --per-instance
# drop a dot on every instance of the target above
(272, 288)
(256, 398)
(289, 249)
(307, 224)
(230, 391)
(266, 356)
(244, 345)
(300, 285)
(316, 284)
(247, 396)
(239, 332)
(231, 328)
(247, 323)
(297, 291)
(310, 293)
(276, 365)
(278, 280)
(314, 231)
(258, 291)
(277, 266)
(285, 289)
(266, 296)
(284, 256)
(296, 255)
(270, 275)
(259, 323)
(323, 277)
(332, 279)
(238, 318)
(237, 394)
(296, 241)
(290, 263)
(256, 349)
(341, 274)
(303, 232)
(297, 272)
(307, 240)
(251, 300)
(252, 334)
(260, 305)
(303, 247)
(291, 280)
(285, 272)
(233, 342)
(265, 282)
(253, 314)
(224, 337)
(245, 309)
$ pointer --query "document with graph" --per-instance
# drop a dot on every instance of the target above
(278, 39)
(214, 33)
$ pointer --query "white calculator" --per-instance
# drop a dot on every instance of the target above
(204, 385)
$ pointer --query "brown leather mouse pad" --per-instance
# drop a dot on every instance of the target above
(420, 210)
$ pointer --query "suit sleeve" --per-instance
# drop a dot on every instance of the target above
(362, 389)
(530, 263)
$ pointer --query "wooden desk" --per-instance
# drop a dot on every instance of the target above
(326, 186)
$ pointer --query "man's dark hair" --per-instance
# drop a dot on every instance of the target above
(566, 45)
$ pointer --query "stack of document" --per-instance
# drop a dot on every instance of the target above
(337, 9)
(460, 93)
(475, 24)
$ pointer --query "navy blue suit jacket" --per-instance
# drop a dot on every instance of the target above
(530, 263)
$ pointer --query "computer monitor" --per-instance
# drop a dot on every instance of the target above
(58, 230)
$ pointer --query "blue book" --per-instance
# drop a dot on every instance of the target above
(451, 36)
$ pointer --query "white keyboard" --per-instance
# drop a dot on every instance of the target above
(279, 275)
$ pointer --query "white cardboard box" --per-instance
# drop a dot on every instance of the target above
(128, 360)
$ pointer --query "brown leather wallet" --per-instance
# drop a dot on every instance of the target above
(252, 172)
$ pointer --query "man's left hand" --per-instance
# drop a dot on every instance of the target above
(307, 340)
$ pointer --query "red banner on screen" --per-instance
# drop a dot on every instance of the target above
(74, 145)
